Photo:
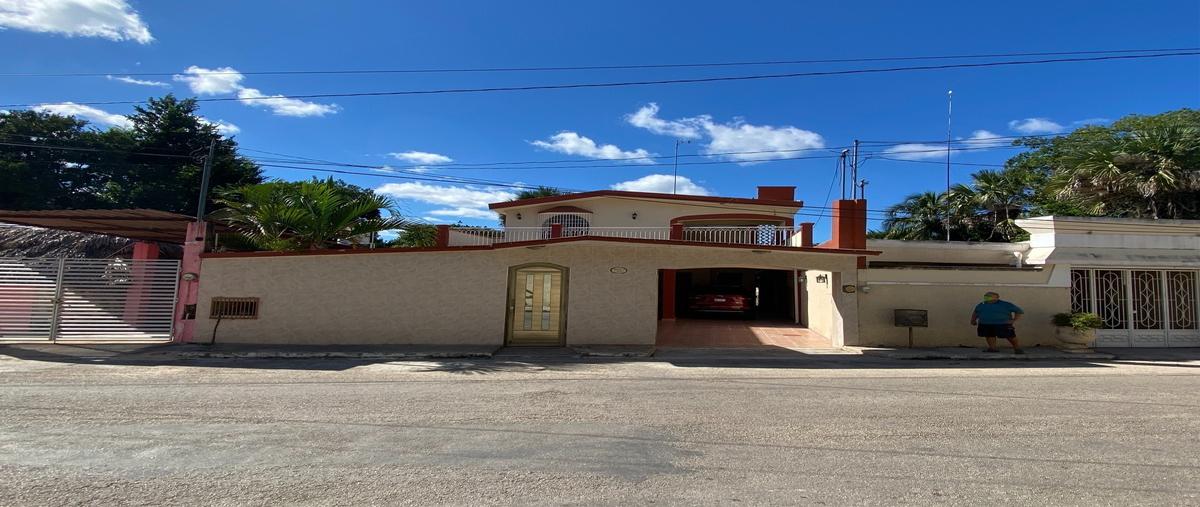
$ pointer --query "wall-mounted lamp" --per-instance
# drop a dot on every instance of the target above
(518, 216)
(634, 215)
(190, 277)
(822, 278)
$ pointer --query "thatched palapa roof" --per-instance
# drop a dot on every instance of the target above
(28, 241)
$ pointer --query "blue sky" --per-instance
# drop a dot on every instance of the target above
(818, 113)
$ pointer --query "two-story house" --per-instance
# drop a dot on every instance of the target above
(602, 267)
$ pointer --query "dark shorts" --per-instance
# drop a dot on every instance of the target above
(996, 330)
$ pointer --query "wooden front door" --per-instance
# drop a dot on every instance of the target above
(537, 297)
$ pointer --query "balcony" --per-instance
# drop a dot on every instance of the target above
(754, 235)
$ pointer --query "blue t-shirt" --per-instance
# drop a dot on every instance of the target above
(999, 312)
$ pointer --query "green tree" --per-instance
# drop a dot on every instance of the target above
(415, 236)
(1140, 166)
(540, 191)
(918, 217)
(171, 126)
(50, 161)
(308, 215)
(34, 175)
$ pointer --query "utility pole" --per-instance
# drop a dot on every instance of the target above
(675, 173)
(842, 170)
(854, 172)
(204, 177)
(949, 116)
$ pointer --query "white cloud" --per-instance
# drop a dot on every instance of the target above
(88, 113)
(778, 142)
(421, 157)
(735, 138)
(662, 183)
(572, 143)
(204, 81)
(929, 151)
(457, 201)
(223, 127)
(984, 139)
(1030, 126)
(108, 19)
(916, 151)
(283, 106)
(463, 212)
(223, 80)
(141, 82)
(647, 118)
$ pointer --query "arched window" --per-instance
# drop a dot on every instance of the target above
(573, 224)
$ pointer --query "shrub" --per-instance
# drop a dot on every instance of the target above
(1082, 321)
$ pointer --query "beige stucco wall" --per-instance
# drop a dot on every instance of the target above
(950, 296)
(458, 297)
(618, 212)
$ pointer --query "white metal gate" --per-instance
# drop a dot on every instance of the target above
(87, 299)
(1140, 307)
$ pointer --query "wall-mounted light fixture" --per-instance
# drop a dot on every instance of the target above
(634, 215)
(822, 278)
(518, 216)
(190, 277)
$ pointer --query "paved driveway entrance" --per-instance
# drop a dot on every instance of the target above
(736, 333)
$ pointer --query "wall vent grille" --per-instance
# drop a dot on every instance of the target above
(233, 308)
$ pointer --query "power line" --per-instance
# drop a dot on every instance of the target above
(598, 67)
(659, 81)
(936, 162)
(100, 150)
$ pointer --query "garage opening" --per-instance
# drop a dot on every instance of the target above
(733, 307)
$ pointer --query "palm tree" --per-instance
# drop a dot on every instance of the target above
(540, 191)
(1002, 197)
(918, 217)
(1152, 171)
(305, 215)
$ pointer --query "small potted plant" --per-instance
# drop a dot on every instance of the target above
(1076, 331)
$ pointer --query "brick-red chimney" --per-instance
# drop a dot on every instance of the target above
(777, 193)
(849, 224)
(806, 234)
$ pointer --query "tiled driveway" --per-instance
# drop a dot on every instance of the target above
(736, 333)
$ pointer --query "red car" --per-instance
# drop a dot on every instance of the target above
(721, 300)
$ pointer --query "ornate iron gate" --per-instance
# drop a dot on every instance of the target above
(1140, 307)
(87, 299)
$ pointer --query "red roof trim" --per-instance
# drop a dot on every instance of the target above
(643, 195)
(518, 244)
(566, 209)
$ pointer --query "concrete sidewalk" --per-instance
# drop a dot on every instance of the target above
(174, 352)
(167, 352)
(975, 353)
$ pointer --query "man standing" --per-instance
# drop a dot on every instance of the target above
(995, 319)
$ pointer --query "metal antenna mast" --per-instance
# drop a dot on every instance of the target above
(949, 116)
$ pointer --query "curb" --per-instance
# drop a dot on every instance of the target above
(333, 355)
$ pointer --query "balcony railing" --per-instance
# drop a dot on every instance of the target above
(763, 235)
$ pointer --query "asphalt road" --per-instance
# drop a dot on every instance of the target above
(687, 430)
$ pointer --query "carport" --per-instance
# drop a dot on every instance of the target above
(696, 309)
(134, 297)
